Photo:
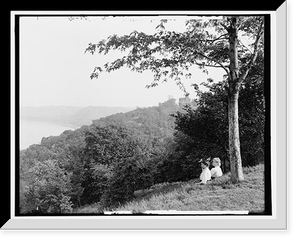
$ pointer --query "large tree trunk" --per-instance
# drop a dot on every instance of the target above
(233, 115)
(234, 138)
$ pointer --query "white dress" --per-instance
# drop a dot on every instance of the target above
(205, 175)
(216, 172)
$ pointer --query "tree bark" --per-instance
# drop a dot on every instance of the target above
(233, 115)
(234, 137)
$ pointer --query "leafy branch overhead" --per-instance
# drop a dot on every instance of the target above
(170, 54)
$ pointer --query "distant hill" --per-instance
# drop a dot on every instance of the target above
(76, 116)
(155, 121)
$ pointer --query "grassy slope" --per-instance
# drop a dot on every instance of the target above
(218, 195)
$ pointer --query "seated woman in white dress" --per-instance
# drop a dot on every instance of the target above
(216, 171)
(205, 174)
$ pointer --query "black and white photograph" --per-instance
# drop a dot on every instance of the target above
(143, 115)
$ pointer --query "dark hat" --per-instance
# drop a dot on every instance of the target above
(204, 162)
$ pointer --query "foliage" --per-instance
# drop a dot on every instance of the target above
(96, 157)
(202, 132)
(65, 150)
(128, 176)
(105, 148)
(47, 189)
(148, 122)
(170, 54)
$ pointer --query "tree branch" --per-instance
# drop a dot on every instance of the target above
(218, 38)
(212, 60)
(208, 65)
(224, 26)
(255, 53)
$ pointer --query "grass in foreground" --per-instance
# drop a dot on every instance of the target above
(219, 195)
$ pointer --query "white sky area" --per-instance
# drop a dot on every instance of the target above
(55, 70)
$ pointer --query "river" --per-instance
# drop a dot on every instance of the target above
(31, 132)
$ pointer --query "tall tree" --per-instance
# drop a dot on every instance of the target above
(205, 43)
(235, 79)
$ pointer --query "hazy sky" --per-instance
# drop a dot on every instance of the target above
(54, 70)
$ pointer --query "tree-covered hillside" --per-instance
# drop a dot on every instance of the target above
(92, 156)
(108, 161)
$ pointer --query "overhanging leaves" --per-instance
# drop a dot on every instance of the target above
(170, 54)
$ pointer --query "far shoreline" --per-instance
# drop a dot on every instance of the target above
(73, 126)
(25, 144)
